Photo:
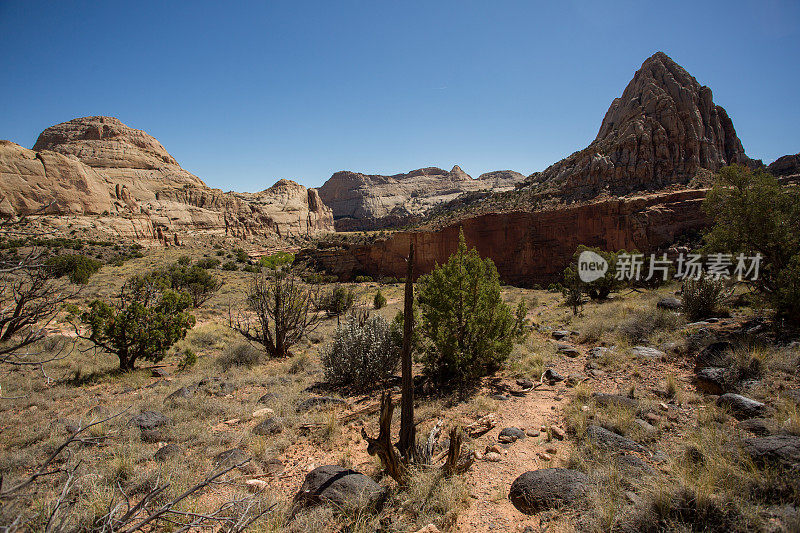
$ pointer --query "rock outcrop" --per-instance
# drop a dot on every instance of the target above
(371, 201)
(100, 166)
(530, 247)
(787, 165)
(664, 129)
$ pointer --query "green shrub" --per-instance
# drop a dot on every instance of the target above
(573, 290)
(208, 262)
(198, 282)
(469, 328)
(184, 260)
(78, 268)
(242, 354)
(754, 214)
(188, 360)
(143, 324)
(379, 300)
(362, 353)
(703, 297)
(230, 266)
(277, 261)
(600, 288)
(363, 279)
(241, 256)
(337, 301)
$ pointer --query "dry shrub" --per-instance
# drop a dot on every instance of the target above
(239, 355)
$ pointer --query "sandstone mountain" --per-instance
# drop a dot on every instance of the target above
(787, 165)
(370, 201)
(100, 166)
(664, 129)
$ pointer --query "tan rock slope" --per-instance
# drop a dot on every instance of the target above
(664, 129)
(372, 201)
(100, 166)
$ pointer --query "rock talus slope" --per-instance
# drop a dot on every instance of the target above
(98, 165)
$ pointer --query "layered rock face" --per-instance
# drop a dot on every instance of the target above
(532, 247)
(664, 129)
(98, 165)
(371, 201)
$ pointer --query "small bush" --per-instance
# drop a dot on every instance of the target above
(208, 262)
(78, 268)
(337, 301)
(638, 328)
(379, 301)
(277, 260)
(188, 359)
(362, 353)
(239, 355)
(230, 266)
(363, 279)
(241, 256)
(703, 297)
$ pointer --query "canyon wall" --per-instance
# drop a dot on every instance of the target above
(531, 247)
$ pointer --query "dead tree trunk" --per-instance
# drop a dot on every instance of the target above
(382, 445)
(407, 428)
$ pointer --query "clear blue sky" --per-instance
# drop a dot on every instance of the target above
(245, 94)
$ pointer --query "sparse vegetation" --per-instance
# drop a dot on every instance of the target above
(78, 268)
(336, 301)
(379, 301)
(703, 297)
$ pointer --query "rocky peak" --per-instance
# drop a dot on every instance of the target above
(664, 129)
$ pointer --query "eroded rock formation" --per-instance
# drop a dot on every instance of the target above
(531, 247)
(664, 129)
(787, 165)
(371, 201)
(100, 166)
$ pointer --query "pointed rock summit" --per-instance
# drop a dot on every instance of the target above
(664, 129)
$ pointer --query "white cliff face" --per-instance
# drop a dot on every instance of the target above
(98, 165)
(365, 197)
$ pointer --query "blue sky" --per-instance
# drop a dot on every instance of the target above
(244, 94)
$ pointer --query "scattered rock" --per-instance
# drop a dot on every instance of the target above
(716, 354)
(310, 403)
(609, 440)
(558, 433)
(742, 407)
(712, 380)
(159, 372)
(182, 394)
(493, 457)
(757, 426)
(532, 433)
(256, 485)
(575, 379)
(670, 303)
(646, 352)
(268, 398)
(615, 400)
(792, 394)
(539, 490)
(597, 352)
(544, 456)
(645, 426)
(147, 420)
(561, 334)
(481, 426)
(500, 397)
(569, 351)
(632, 465)
(231, 457)
(341, 488)
(510, 434)
(525, 383)
(268, 426)
(264, 411)
(552, 376)
(166, 452)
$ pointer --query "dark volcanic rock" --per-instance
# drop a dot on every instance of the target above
(539, 490)
(268, 426)
(716, 355)
(615, 400)
(670, 302)
(774, 449)
(757, 426)
(742, 407)
(510, 434)
(231, 457)
(341, 488)
(147, 420)
(603, 438)
(166, 452)
(182, 394)
(712, 380)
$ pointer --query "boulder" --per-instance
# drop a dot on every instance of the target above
(603, 438)
(569, 351)
(341, 488)
(269, 426)
(510, 434)
(539, 490)
(742, 407)
(552, 376)
(758, 426)
(561, 334)
(182, 394)
(713, 380)
(715, 355)
(148, 420)
(615, 400)
(232, 457)
(646, 352)
(774, 449)
(670, 303)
